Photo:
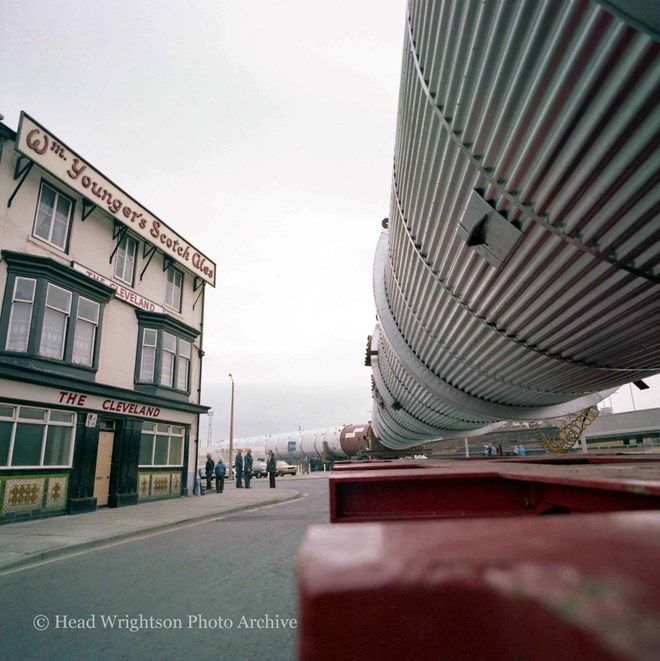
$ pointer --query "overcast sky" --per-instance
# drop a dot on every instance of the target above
(261, 131)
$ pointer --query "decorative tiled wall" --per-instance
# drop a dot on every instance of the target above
(158, 485)
(32, 496)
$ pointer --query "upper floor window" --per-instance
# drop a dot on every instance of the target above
(21, 314)
(183, 365)
(87, 324)
(53, 217)
(56, 318)
(168, 360)
(173, 289)
(125, 260)
(55, 315)
(148, 358)
(56, 324)
(165, 351)
(165, 359)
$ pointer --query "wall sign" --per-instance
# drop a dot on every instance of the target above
(79, 400)
(120, 292)
(50, 153)
(43, 395)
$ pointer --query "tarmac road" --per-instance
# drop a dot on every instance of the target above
(220, 589)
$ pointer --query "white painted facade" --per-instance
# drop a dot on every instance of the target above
(142, 365)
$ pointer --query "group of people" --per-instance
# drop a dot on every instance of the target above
(220, 472)
(491, 450)
(243, 466)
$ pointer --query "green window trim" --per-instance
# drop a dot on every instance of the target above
(64, 323)
(32, 437)
(164, 354)
(162, 445)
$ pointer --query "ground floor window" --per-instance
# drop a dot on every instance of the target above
(35, 437)
(161, 445)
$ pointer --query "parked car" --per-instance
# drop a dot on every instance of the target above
(285, 469)
(259, 468)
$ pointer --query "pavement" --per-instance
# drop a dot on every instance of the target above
(30, 542)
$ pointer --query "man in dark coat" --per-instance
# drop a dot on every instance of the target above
(220, 472)
(209, 471)
(271, 468)
(239, 469)
(247, 468)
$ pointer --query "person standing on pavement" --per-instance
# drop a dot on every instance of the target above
(210, 464)
(220, 472)
(247, 468)
(271, 467)
(239, 468)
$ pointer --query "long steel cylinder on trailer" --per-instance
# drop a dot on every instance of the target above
(519, 274)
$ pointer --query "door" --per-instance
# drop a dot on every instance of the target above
(103, 466)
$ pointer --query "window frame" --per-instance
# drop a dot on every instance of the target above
(141, 353)
(153, 429)
(183, 359)
(79, 323)
(171, 270)
(165, 325)
(72, 205)
(47, 273)
(156, 378)
(173, 353)
(13, 301)
(15, 420)
(126, 241)
(48, 307)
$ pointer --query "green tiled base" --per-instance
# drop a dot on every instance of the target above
(32, 496)
(156, 486)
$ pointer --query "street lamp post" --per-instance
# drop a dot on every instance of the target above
(231, 430)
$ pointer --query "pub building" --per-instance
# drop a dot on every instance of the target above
(100, 337)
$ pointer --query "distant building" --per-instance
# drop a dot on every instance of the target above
(100, 337)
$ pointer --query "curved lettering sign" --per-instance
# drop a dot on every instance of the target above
(40, 146)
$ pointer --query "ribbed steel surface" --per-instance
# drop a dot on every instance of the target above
(549, 111)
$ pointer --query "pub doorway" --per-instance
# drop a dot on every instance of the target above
(104, 463)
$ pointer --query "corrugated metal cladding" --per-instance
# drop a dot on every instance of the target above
(519, 277)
